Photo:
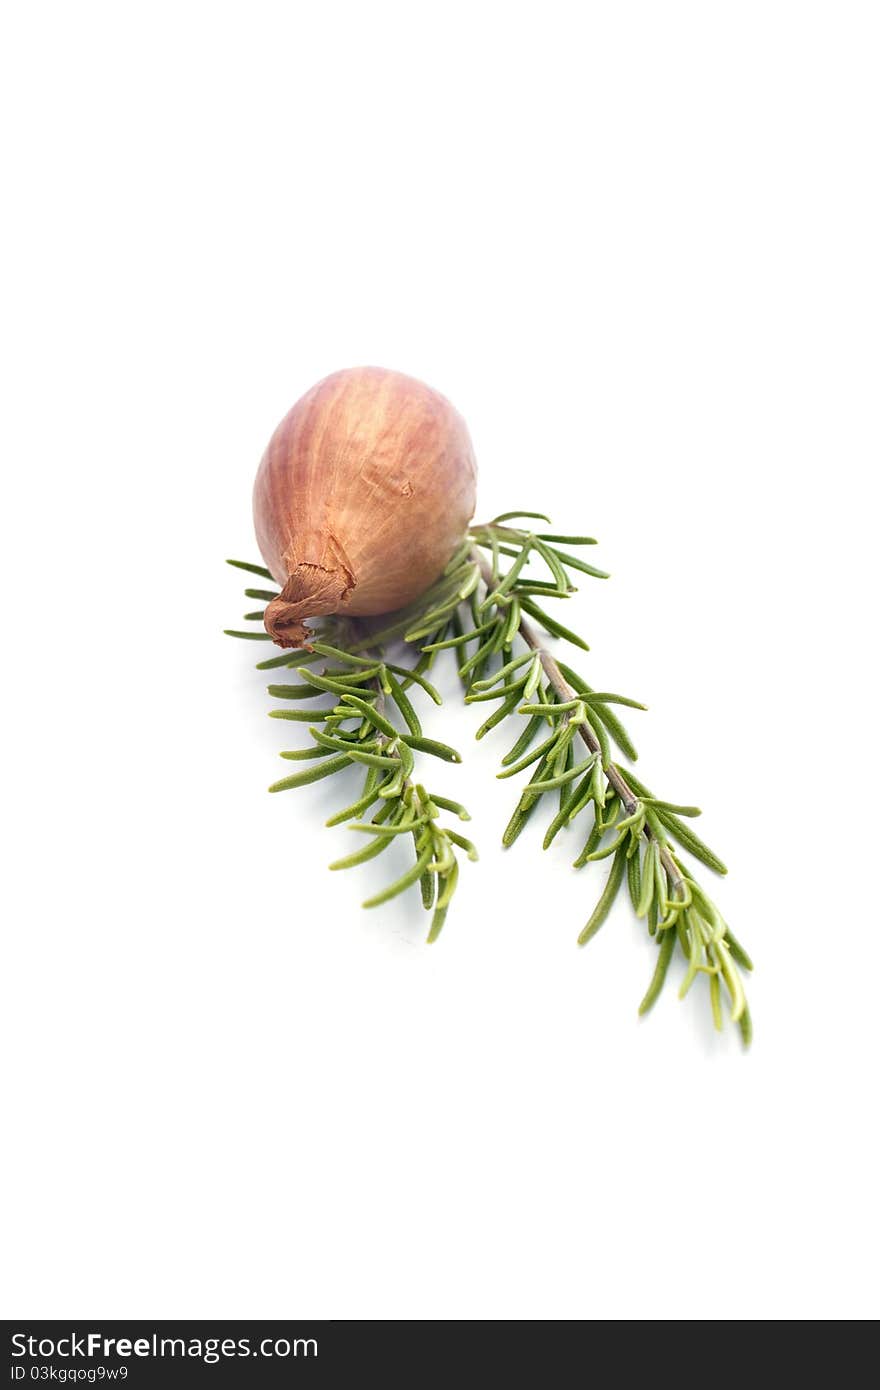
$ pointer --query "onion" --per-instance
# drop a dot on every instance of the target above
(364, 492)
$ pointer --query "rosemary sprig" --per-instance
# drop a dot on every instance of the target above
(642, 834)
(487, 615)
(356, 729)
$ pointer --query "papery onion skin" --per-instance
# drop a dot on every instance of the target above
(363, 493)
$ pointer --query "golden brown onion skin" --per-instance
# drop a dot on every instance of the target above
(361, 497)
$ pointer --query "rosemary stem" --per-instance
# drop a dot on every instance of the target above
(613, 775)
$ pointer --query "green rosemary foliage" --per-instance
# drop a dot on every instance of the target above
(484, 608)
(567, 741)
(361, 695)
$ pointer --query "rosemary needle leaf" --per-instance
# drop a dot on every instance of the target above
(336, 687)
(337, 654)
(430, 745)
(545, 587)
(446, 805)
(732, 980)
(598, 730)
(539, 752)
(407, 761)
(510, 550)
(469, 584)
(617, 732)
(653, 919)
(604, 697)
(466, 845)
(398, 695)
(296, 755)
(357, 681)
(505, 671)
(567, 540)
(604, 852)
(371, 828)
(496, 557)
(285, 659)
(511, 624)
(573, 562)
(553, 563)
(638, 787)
(524, 808)
(715, 1001)
(740, 955)
(609, 893)
(375, 718)
(505, 516)
(432, 620)
(499, 694)
(460, 639)
(594, 839)
(266, 594)
(501, 713)
(393, 787)
(416, 676)
(291, 692)
(603, 714)
(568, 810)
(523, 741)
(664, 956)
(356, 809)
(509, 579)
(561, 707)
(411, 876)
(437, 924)
(359, 755)
(251, 569)
(480, 655)
(538, 788)
(255, 617)
(691, 842)
(552, 625)
(311, 774)
(362, 855)
(449, 886)
(428, 886)
(649, 881)
(634, 877)
(611, 811)
(444, 856)
(565, 790)
(533, 678)
(248, 636)
(675, 810)
(581, 797)
(305, 715)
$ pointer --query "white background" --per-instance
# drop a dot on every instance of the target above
(637, 245)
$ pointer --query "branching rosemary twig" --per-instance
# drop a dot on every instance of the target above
(356, 730)
(643, 835)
